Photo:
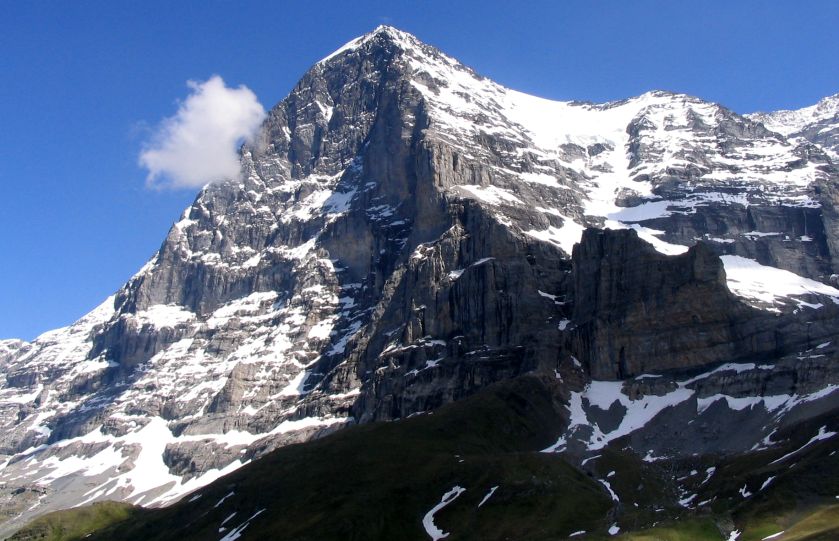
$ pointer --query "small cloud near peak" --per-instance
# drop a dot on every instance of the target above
(199, 143)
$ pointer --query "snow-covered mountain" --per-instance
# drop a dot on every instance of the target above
(401, 236)
(817, 123)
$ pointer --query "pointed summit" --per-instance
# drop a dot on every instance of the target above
(380, 33)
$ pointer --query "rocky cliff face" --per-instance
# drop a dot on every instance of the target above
(403, 235)
(638, 311)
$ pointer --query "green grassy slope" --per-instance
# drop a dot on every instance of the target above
(74, 524)
(687, 530)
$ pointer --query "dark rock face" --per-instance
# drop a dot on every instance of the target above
(771, 235)
(401, 237)
(191, 459)
(463, 329)
(637, 311)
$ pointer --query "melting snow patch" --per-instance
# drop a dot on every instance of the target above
(638, 411)
(822, 435)
(557, 447)
(221, 528)
(306, 422)
(339, 202)
(771, 403)
(428, 520)
(749, 279)
(164, 315)
(455, 274)
(221, 501)
(736, 367)
(589, 459)
(650, 236)
(650, 457)
(602, 394)
(773, 536)
(488, 495)
(149, 475)
(149, 470)
(709, 473)
(322, 329)
(685, 502)
(575, 534)
(565, 237)
(614, 529)
(24, 398)
(490, 194)
(296, 385)
(237, 532)
(609, 488)
(540, 178)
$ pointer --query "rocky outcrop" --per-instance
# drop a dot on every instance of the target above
(637, 311)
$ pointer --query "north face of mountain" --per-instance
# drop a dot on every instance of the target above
(403, 235)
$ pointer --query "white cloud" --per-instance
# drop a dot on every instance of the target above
(199, 143)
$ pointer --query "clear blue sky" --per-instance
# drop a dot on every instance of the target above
(82, 82)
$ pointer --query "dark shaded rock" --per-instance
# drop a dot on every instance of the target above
(639, 311)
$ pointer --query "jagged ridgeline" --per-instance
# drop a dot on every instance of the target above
(648, 285)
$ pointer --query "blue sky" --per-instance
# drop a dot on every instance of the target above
(82, 84)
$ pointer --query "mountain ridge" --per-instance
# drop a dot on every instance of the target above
(816, 122)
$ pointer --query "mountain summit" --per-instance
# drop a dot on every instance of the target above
(405, 233)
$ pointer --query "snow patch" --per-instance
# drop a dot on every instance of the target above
(768, 285)
(428, 520)
(565, 237)
(164, 315)
(488, 496)
(822, 435)
(490, 194)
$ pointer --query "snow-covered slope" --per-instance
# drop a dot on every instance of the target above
(399, 238)
(817, 123)
(614, 164)
(788, 122)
